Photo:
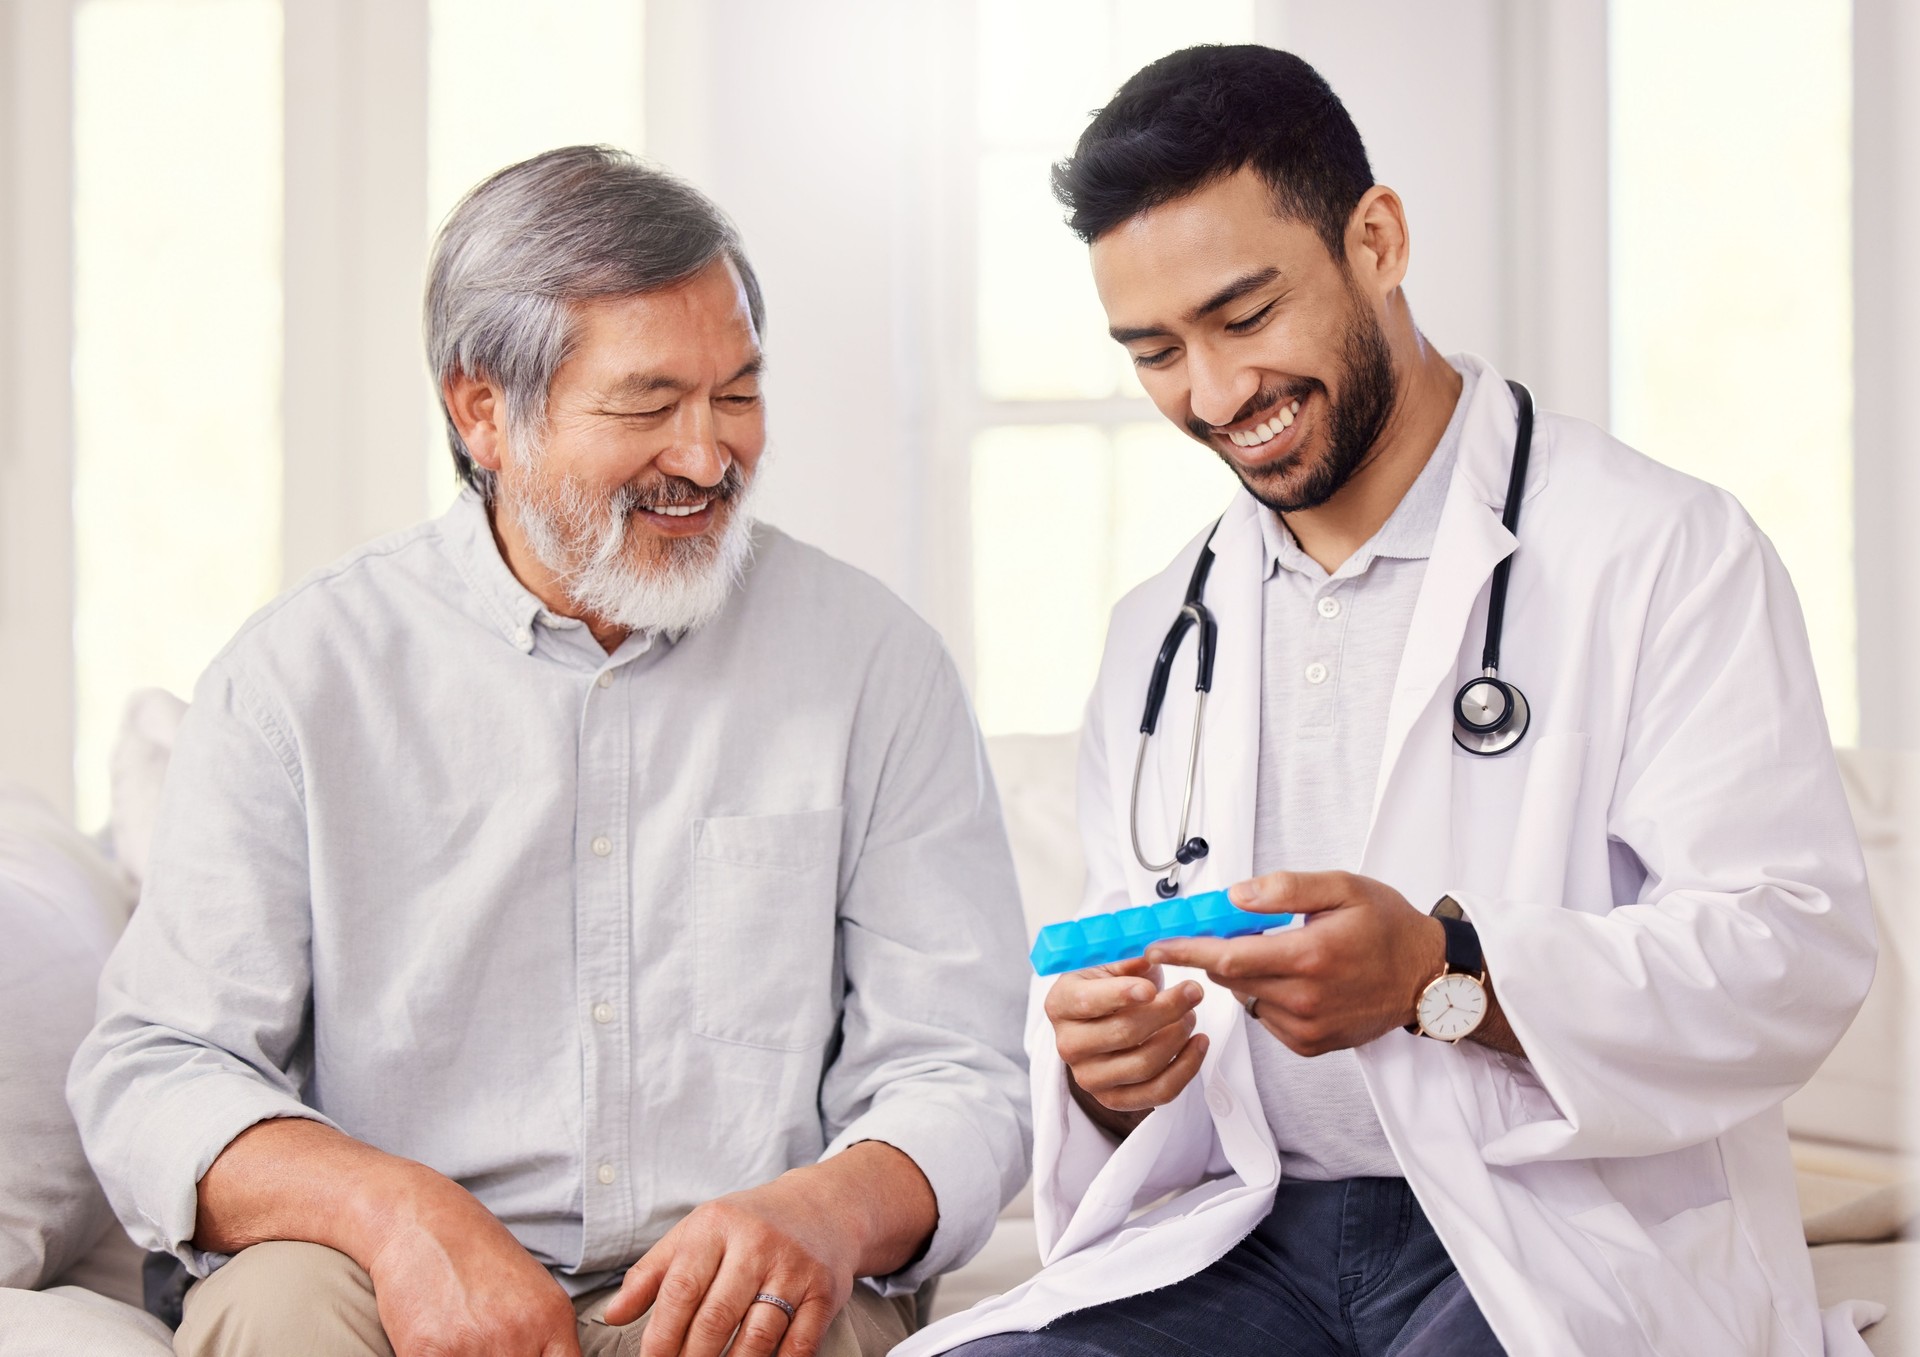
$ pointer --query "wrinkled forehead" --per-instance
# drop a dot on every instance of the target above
(699, 330)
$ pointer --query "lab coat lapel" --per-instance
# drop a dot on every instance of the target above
(1230, 748)
(1469, 542)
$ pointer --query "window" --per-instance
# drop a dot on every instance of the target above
(1079, 488)
(1732, 284)
(176, 363)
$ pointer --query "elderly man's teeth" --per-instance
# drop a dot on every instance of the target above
(677, 510)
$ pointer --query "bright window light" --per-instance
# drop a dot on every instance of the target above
(176, 364)
(1732, 278)
(1066, 516)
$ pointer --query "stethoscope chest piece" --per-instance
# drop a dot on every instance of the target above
(1490, 716)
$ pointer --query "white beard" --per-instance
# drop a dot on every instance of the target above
(584, 540)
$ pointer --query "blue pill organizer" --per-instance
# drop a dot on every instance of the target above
(1102, 939)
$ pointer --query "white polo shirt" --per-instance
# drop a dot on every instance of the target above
(1331, 647)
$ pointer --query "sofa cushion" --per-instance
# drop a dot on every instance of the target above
(68, 1320)
(1855, 1099)
(61, 907)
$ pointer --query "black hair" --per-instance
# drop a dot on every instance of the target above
(1203, 113)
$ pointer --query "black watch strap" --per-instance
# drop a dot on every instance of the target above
(1463, 948)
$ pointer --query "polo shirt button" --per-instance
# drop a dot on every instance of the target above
(605, 1175)
(1329, 606)
(602, 846)
(603, 1012)
(1316, 672)
(606, 678)
(523, 638)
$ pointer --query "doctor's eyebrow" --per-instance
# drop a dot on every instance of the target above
(1226, 296)
(1233, 292)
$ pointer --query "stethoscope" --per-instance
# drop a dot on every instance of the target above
(1490, 715)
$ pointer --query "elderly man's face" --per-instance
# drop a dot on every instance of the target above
(633, 496)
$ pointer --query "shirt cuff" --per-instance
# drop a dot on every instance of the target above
(200, 1120)
(960, 1167)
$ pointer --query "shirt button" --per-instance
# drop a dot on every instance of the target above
(1219, 1100)
(1329, 606)
(523, 638)
(1316, 672)
(606, 1174)
(602, 846)
(606, 678)
(603, 1012)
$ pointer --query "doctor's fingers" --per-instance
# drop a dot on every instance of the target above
(1144, 1094)
(1131, 1026)
(1300, 892)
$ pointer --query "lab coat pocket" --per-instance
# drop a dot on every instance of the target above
(1690, 1280)
(765, 915)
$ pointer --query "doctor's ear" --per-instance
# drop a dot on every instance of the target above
(478, 409)
(1377, 242)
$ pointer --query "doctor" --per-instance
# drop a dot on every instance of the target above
(1515, 1085)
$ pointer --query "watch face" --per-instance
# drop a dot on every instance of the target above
(1452, 1006)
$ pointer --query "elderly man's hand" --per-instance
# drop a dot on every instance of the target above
(1352, 973)
(803, 1237)
(450, 1281)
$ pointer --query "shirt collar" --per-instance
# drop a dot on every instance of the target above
(1409, 530)
(467, 530)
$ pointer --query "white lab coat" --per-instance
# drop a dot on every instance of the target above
(1666, 884)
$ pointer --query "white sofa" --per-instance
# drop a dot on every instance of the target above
(70, 1280)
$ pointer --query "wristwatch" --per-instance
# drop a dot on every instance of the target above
(1454, 1003)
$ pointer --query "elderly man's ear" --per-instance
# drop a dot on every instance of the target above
(479, 411)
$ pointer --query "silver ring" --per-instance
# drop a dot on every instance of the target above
(774, 1300)
(1249, 1002)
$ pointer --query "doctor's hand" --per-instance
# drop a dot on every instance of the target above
(1128, 1044)
(1352, 973)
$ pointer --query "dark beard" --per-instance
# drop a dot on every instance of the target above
(1354, 422)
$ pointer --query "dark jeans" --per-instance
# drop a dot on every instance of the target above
(1344, 1269)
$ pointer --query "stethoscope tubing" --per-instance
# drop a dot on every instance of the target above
(1475, 737)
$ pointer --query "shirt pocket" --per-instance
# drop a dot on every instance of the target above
(765, 914)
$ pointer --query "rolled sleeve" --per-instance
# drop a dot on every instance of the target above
(931, 938)
(962, 1166)
(202, 1021)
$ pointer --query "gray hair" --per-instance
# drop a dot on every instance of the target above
(566, 226)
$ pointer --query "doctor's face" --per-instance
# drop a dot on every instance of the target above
(1249, 335)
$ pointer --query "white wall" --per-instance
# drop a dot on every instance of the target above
(36, 425)
(1886, 356)
(807, 124)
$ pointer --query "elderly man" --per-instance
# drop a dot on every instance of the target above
(588, 876)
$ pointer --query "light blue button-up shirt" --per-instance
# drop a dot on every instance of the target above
(600, 937)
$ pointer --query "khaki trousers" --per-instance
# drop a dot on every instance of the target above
(304, 1300)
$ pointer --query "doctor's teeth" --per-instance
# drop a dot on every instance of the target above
(677, 510)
